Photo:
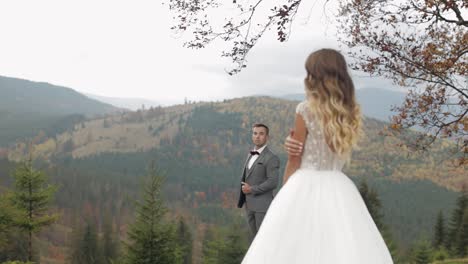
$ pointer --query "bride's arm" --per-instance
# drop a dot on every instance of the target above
(294, 161)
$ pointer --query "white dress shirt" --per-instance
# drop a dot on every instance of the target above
(255, 157)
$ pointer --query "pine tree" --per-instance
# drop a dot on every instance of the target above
(440, 254)
(422, 254)
(109, 241)
(461, 246)
(212, 246)
(184, 241)
(234, 249)
(439, 231)
(75, 254)
(6, 222)
(152, 241)
(89, 245)
(391, 244)
(31, 197)
(372, 201)
(455, 240)
(85, 247)
(374, 206)
(12, 242)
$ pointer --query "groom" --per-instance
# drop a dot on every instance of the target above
(259, 179)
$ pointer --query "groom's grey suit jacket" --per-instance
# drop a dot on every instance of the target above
(263, 178)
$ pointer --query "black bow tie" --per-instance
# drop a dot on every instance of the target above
(254, 152)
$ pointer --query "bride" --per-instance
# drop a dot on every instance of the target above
(319, 216)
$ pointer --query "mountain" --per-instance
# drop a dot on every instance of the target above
(213, 132)
(376, 103)
(200, 148)
(127, 103)
(27, 107)
(23, 96)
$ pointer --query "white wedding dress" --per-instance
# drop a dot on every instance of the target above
(318, 216)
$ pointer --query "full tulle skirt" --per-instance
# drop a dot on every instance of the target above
(318, 217)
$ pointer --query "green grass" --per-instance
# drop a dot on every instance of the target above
(452, 261)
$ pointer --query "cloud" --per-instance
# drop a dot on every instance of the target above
(125, 49)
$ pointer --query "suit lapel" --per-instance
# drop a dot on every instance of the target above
(246, 170)
(258, 160)
(246, 163)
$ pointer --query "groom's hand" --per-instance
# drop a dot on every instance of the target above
(246, 189)
(292, 146)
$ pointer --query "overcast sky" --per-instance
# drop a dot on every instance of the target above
(123, 48)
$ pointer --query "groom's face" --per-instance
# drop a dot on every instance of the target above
(259, 136)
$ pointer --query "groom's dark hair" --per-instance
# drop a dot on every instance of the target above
(262, 125)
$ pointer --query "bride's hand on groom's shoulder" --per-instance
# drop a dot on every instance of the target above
(293, 147)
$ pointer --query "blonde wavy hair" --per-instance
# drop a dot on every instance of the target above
(330, 92)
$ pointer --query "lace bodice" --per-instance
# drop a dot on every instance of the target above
(317, 155)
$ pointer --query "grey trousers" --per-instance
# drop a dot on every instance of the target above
(255, 219)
